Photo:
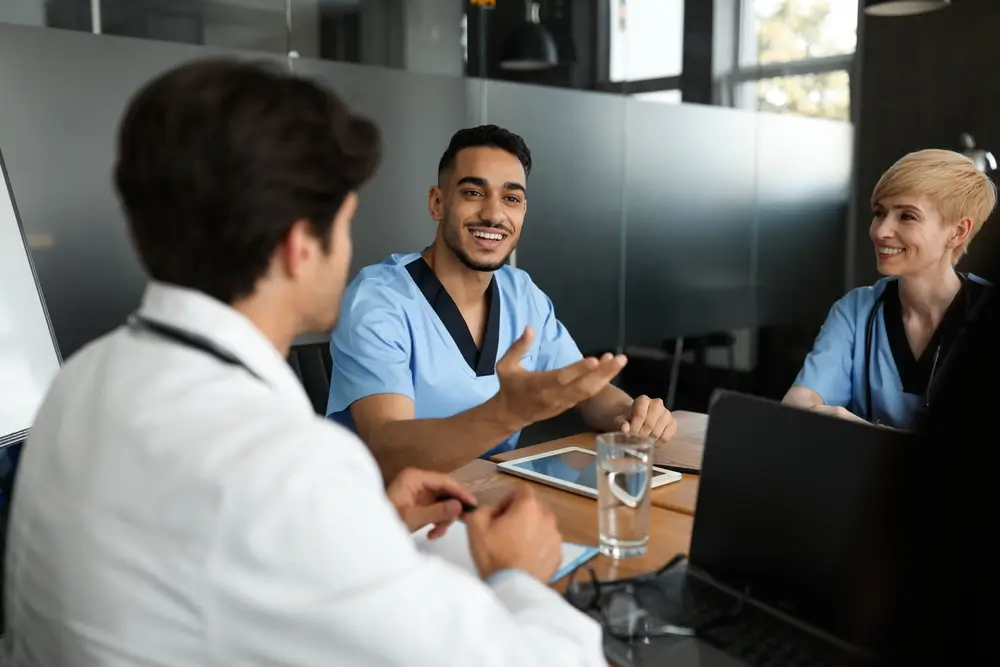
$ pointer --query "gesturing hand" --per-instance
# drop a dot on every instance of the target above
(650, 417)
(532, 396)
(414, 493)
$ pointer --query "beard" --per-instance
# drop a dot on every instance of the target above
(453, 239)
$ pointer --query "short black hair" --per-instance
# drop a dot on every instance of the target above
(218, 158)
(485, 136)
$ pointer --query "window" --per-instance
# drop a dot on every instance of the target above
(794, 56)
(646, 39)
(820, 95)
(790, 30)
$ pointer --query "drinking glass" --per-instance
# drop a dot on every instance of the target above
(624, 473)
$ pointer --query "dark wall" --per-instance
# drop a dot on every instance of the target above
(645, 221)
(925, 80)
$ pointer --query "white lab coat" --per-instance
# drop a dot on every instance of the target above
(172, 510)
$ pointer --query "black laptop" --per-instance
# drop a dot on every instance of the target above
(796, 544)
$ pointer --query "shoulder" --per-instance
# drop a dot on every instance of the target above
(860, 299)
(517, 284)
(284, 448)
(383, 286)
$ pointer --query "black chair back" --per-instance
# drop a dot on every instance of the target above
(314, 367)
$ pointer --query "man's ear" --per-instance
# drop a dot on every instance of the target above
(435, 203)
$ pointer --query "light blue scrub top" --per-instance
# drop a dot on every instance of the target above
(401, 333)
(836, 368)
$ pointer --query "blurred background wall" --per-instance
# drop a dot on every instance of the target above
(695, 188)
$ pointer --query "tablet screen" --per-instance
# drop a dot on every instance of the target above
(577, 466)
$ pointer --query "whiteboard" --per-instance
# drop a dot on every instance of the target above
(29, 356)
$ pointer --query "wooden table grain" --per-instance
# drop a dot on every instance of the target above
(678, 496)
(670, 532)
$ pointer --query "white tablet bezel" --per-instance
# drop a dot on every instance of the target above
(663, 476)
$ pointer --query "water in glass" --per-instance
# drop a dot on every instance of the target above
(624, 471)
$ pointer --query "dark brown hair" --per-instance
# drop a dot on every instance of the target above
(485, 136)
(217, 159)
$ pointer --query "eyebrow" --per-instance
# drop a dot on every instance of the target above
(898, 207)
(483, 183)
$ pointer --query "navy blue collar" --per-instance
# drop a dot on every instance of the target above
(483, 361)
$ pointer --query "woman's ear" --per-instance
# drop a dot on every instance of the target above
(960, 234)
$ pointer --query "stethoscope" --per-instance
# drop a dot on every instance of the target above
(184, 338)
(870, 335)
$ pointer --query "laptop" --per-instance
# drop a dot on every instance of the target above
(796, 543)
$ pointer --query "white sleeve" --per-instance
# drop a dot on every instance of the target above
(312, 567)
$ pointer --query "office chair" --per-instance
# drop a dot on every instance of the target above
(314, 367)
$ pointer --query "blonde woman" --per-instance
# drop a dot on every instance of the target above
(882, 346)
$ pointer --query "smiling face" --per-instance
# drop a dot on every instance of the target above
(479, 205)
(911, 236)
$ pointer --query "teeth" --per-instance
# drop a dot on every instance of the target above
(889, 251)
(488, 235)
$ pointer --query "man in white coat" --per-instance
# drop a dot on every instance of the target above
(178, 502)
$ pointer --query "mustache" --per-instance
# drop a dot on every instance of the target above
(483, 224)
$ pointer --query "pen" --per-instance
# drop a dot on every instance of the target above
(466, 507)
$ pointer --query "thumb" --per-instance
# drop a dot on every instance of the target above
(622, 422)
(519, 348)
(479, 519)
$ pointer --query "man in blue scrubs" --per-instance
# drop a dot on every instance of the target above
(444, 355)
(882, 346)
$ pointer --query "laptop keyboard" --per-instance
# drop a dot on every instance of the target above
(751, 635)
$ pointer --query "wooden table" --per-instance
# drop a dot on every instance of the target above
(678, 496)
(670, 532)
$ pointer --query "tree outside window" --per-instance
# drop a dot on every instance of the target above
(792, 31)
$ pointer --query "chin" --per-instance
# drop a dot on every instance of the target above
(890, 271)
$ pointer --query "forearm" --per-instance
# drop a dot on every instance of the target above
(440, 444)
(802, 397)
(601, 412)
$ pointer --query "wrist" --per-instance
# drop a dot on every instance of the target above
(498, 412)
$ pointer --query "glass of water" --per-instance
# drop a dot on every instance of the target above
(624, 473)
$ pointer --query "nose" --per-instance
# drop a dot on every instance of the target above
(882, 228)
(492, 211)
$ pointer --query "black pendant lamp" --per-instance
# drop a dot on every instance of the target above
(903, 7)
(529, 46)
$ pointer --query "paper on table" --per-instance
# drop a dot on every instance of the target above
(454, 548)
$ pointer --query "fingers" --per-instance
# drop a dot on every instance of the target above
(638, 424)
(439, 514)
(479, 520)
(623, 424)
(442, 484)
(666, 427)
(520, 347)
(591, 383)
(427, 484)
(603, 369)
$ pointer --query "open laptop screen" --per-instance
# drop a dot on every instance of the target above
(804, 509)
(29, 358)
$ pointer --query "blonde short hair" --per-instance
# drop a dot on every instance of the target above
(950, 179)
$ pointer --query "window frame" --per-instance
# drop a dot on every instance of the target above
(603, 82)
(731, 92)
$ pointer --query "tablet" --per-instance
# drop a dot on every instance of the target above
(571, 468)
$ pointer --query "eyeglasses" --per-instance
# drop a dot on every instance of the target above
(623, 605)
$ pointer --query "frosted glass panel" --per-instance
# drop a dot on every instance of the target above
(28, 356)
